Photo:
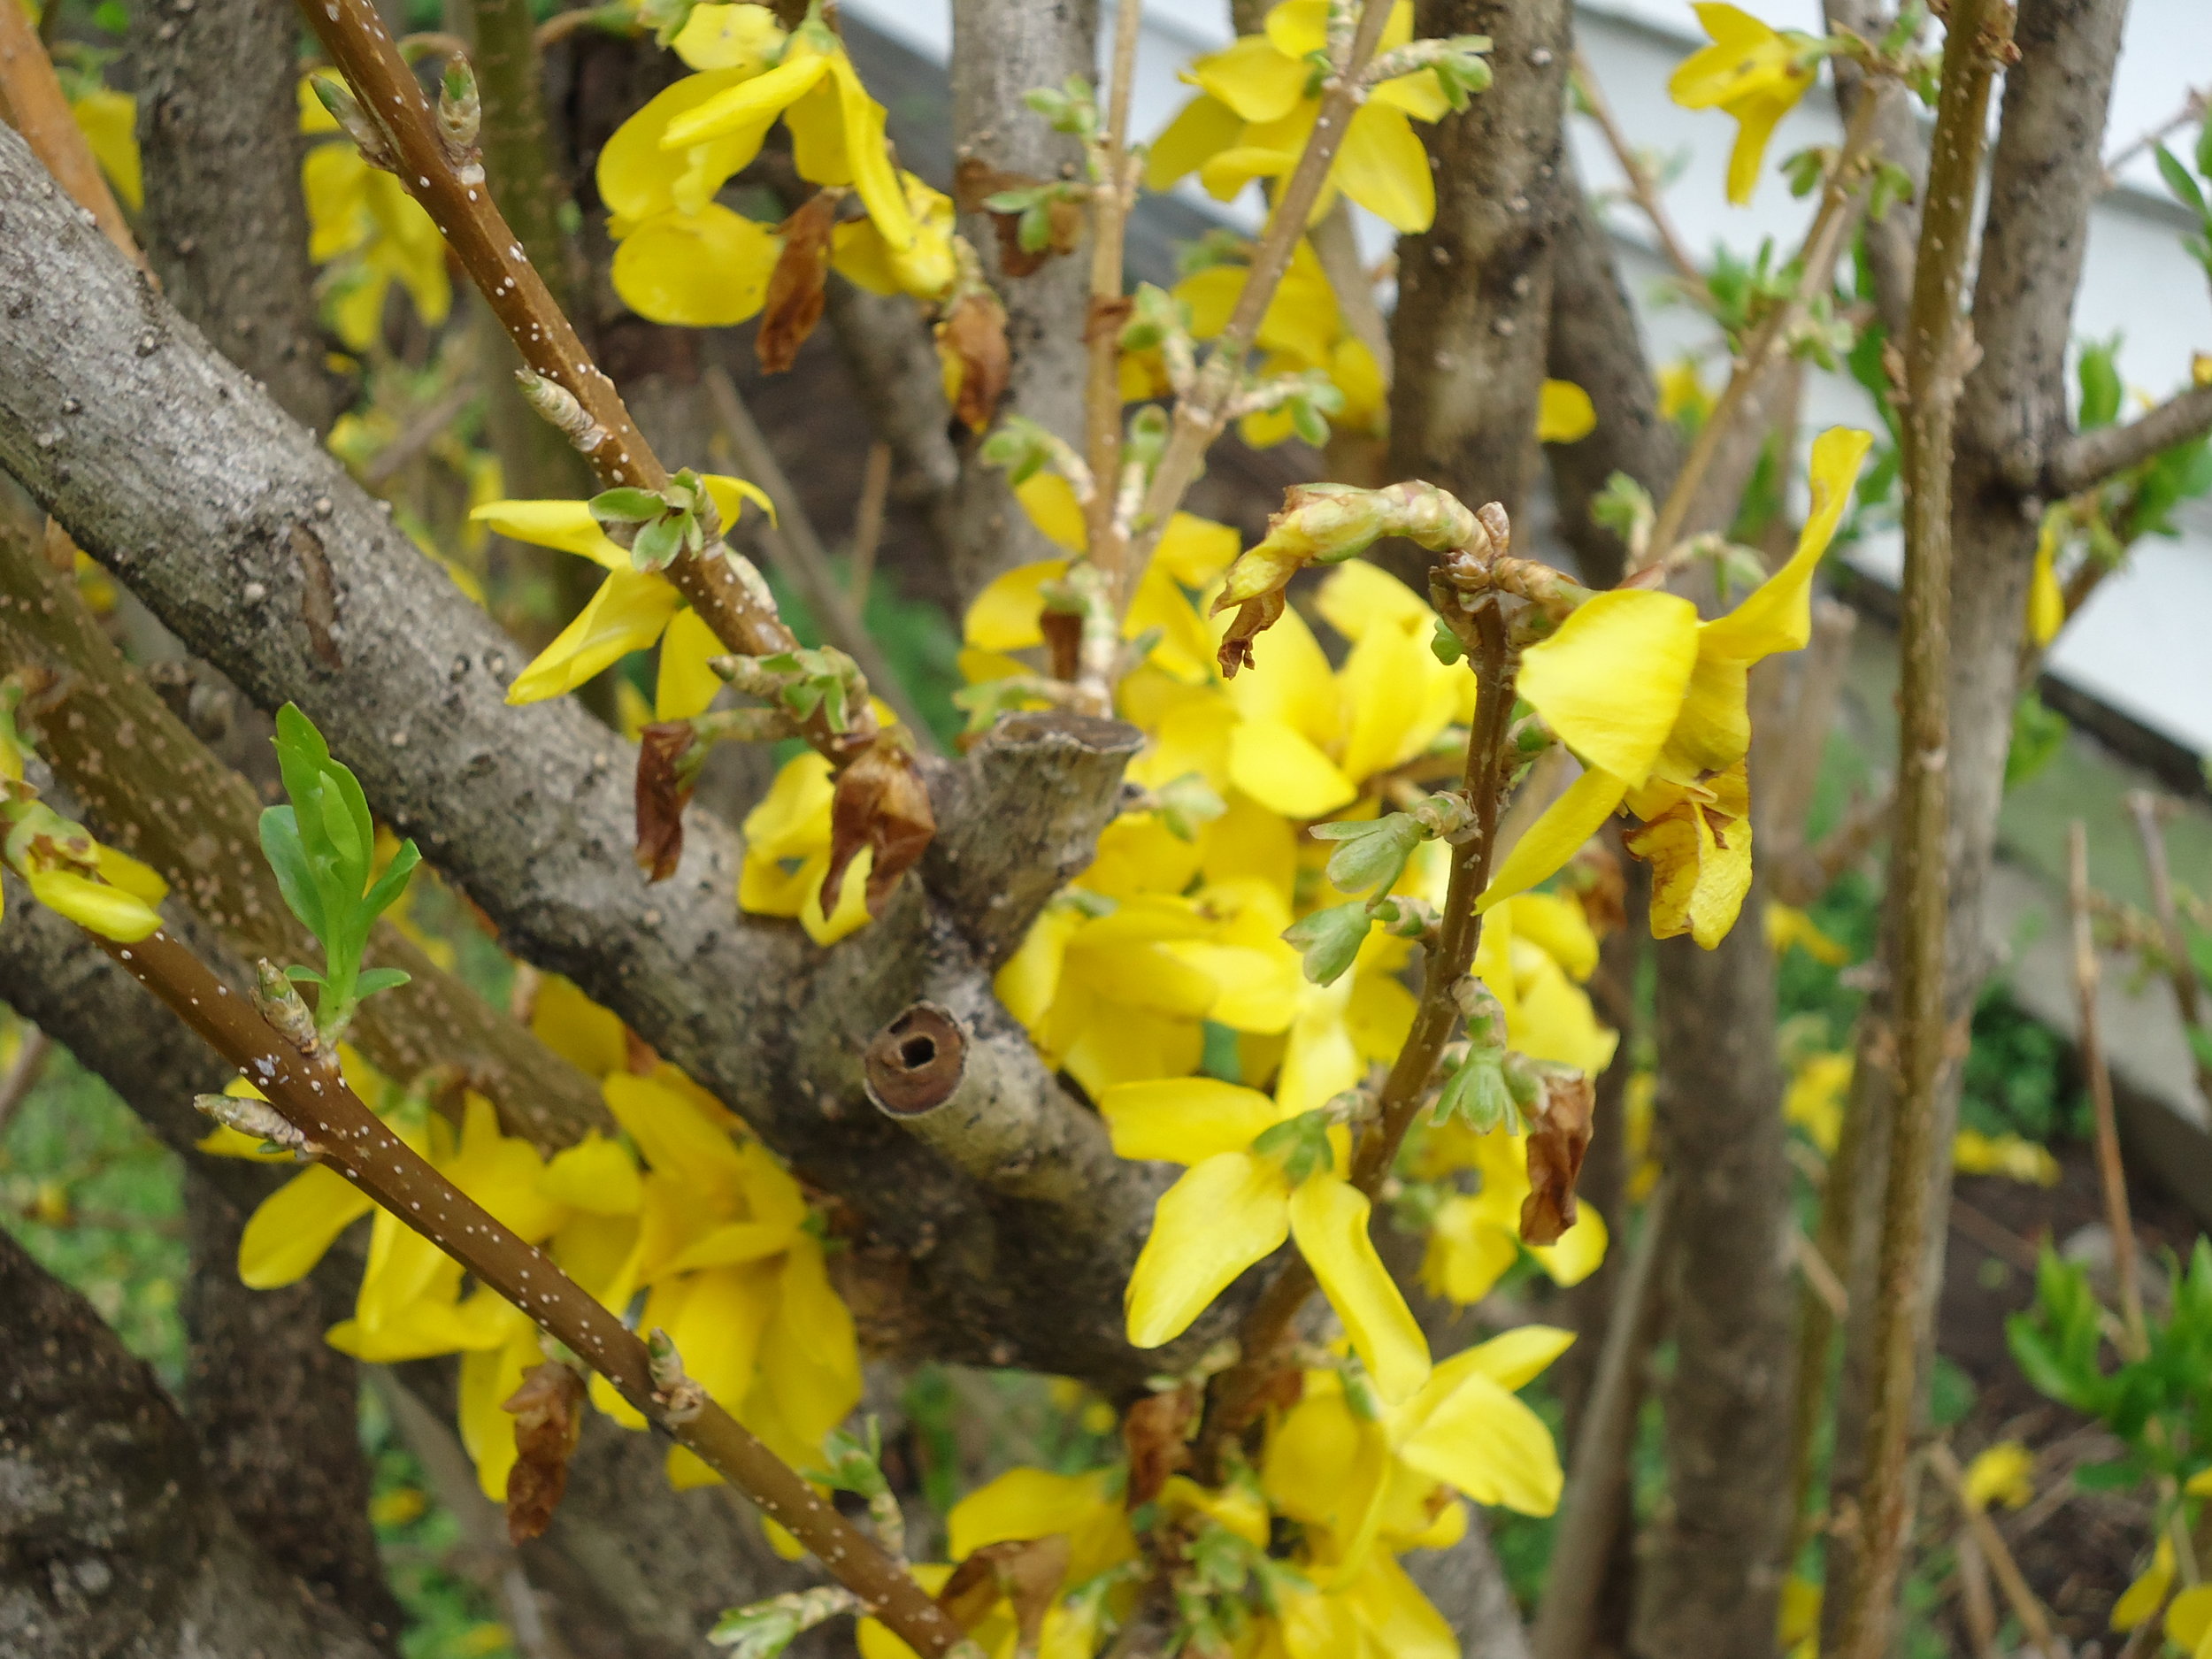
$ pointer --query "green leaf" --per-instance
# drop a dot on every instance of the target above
(2039, 733)
(1478, 1092)
(342, 837)
(304, 976)
(627, 505)
(287, 860)
(393, 882)
(1373, 852)
(1444, 644)
(2178, 179)
(658, 542)
(301, 753)
(1307, 421)
(1328, 940)
(2204, 149)
(1033, 230)
(2100, 391)
(377, 979)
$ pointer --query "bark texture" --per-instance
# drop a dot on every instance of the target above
(1468, 1586)
(148, 783)
(225, 225)
(238, 531)
(2044, 174)
(1475, 289)
(1712, 1579)
(1002, 48)
(1595, 341)
(113, 1541)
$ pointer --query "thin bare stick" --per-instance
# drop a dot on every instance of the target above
(875, 495)
(2024, 1606)
(1802, 874)
(1936, 358)
(1980, 1607)
(797, 551)
(335, 1128)
(2193, 104)
(1823, 243)
(423, 430)
(1641, 186)
(23, 1074)
(1238, 1392)
(2088, 458)
(1597, 1490)
(2112, 1174)
(1201, 415)
(1113, 191)
(33, 103)
(1820, 1279)
(2181, 968)
(741, 613)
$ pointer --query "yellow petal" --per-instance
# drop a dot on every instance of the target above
(1254, 79)
(1610, 682)
(1564, 413)
(2046, 601)
(793, 817)
(1358, 598)
(685, 685)
(1328, 1219)
(2003, 1473)
(873, 177)
(1547, 845)
(109, 120)
(1279, 767)
(741, 106)
(1777, 616)
(1203, 129)
(1007, 615)
(2144, 1597)
(94, 906)
(704, 269)
(292, 1227)
(674, 1135)
(1026, 1502)
(1486, 1443)
(1580, 1251)
(1559, 926)
(567, 525)
(583, 1033)
(2189, 1619)
(596, 1174)
(741, 37)
(1196, 550)
(638, 177)
(626, 615)
(140, 880)
(1384, 167)
(1468, 1252)
(1049, 501)
(1225, 1213)
(1185, 1120)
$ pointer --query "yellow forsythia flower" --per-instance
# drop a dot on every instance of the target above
(1750, 72)
(2046, 601)
(2002, 1474)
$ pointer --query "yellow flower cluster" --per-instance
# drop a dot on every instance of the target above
(683, 1209)
(1257, 104)
(681, 255)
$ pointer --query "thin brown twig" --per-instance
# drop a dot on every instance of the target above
(422, 431)
(1113, 189)
(1201, 413)
(1823, 244)
(23, 1074)
(1997, 1554)
(740, 612)
(1239, 1392)
(1597, 1490)
(31, 98)
(2181, 968)
(2112, 1174)
(1641, 186)
(609, 19)
(875, 496)
(1936, 354)
(2088, 458)
(792, 543)
(336, 1129)
(2194, 104)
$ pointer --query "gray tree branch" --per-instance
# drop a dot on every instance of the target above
(2088, 458)
(169, 466)
(1475, 289)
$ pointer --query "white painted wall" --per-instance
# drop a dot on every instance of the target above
(2141, 646)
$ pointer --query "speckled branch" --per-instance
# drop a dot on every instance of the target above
(343, 1134)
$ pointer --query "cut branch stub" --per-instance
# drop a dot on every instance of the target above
(917, 1062)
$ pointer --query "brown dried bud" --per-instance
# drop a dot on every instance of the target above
(1157, 1430)
(795, 286)
(881, 802)
(1026, 1572)
(974, 330)
(549, 1413)
(1558, 1135)
(663, 789)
